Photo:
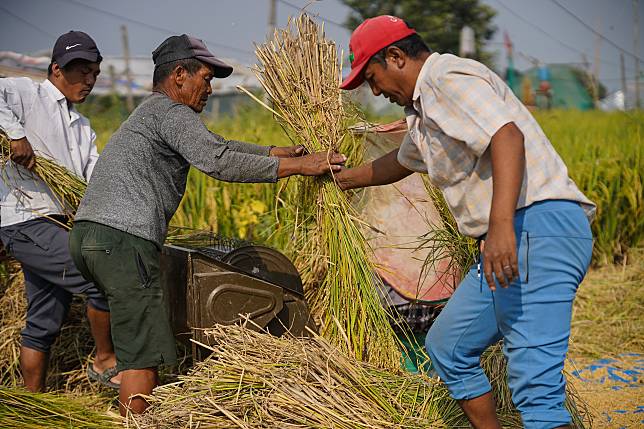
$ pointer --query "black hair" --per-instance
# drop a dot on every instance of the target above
(162, 71)
(413, 46)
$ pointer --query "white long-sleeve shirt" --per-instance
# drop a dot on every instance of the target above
(55, 129)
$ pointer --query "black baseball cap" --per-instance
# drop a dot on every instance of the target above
(75, 45)
(181, 47)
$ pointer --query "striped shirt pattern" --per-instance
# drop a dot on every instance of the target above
(458, 105)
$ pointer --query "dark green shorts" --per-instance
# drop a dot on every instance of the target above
(126, 269)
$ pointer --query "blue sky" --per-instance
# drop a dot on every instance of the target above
(539, 29)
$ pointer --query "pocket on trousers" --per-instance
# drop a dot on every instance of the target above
(105, 248)
(35, 239)
(524, 257)
(144, 273)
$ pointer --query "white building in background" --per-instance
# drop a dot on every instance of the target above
(619, 100)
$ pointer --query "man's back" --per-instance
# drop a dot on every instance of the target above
(141, 176)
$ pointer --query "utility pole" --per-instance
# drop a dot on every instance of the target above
(272, 17)
(623, 70)
(636, 46)
(112, 73)
(598, 42)
(129, 100)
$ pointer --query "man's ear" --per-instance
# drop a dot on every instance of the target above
(180, 75)
(396, 56)
(56, 70)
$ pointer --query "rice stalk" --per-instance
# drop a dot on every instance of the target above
(444, 241)
(20, 409)
(66, 187)
(300, 72)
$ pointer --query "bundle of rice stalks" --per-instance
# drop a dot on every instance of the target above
(255, 380)
(23, 410)
(65, 186)
(299, 70)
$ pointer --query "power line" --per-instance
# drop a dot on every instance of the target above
(24, 21)
(546, 33)
(330, 21)
(152, 27)
(597, 33)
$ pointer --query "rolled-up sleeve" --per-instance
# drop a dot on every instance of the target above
(184, 132)
(409, 156)
(473, 111)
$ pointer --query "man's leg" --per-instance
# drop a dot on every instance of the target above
(127, 269)
(50, 258)
(33, 366)
(136, 382)
(461, 333)
(534, 316)
(99, 322)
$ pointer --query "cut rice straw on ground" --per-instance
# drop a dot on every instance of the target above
(255, 380)
(67, 188)
(20, 409)
(299, 70)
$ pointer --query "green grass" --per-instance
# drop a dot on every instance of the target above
(605, 157)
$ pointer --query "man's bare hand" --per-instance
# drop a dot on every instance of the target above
(288, 151)
(500, 255)
(22, 153)
(319, 163)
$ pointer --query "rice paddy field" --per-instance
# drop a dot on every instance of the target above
(604, 153)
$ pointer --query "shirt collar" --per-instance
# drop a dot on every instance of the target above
(62, 101)
(53, 91)
(422, 77)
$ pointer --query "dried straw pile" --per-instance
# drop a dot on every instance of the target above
(299, 70)
(255, 380)
(66, 187)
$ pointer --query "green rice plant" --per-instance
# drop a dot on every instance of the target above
(444, 241)
(20, 409)
(604, 153)
(299, 70)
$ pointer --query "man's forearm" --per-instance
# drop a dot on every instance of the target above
(382, 171)
(508, 165)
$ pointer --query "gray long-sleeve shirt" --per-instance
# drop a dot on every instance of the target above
(141, 175)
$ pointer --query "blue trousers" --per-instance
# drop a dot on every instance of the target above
(51, 278)
(532, 316)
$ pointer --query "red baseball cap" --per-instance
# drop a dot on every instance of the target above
(370, 37)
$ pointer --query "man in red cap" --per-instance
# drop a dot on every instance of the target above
(506, 186)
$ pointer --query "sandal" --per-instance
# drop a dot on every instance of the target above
(103, 378)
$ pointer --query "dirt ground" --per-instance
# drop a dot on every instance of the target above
(606, 355)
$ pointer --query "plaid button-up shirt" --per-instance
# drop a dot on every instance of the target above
(458, 105)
